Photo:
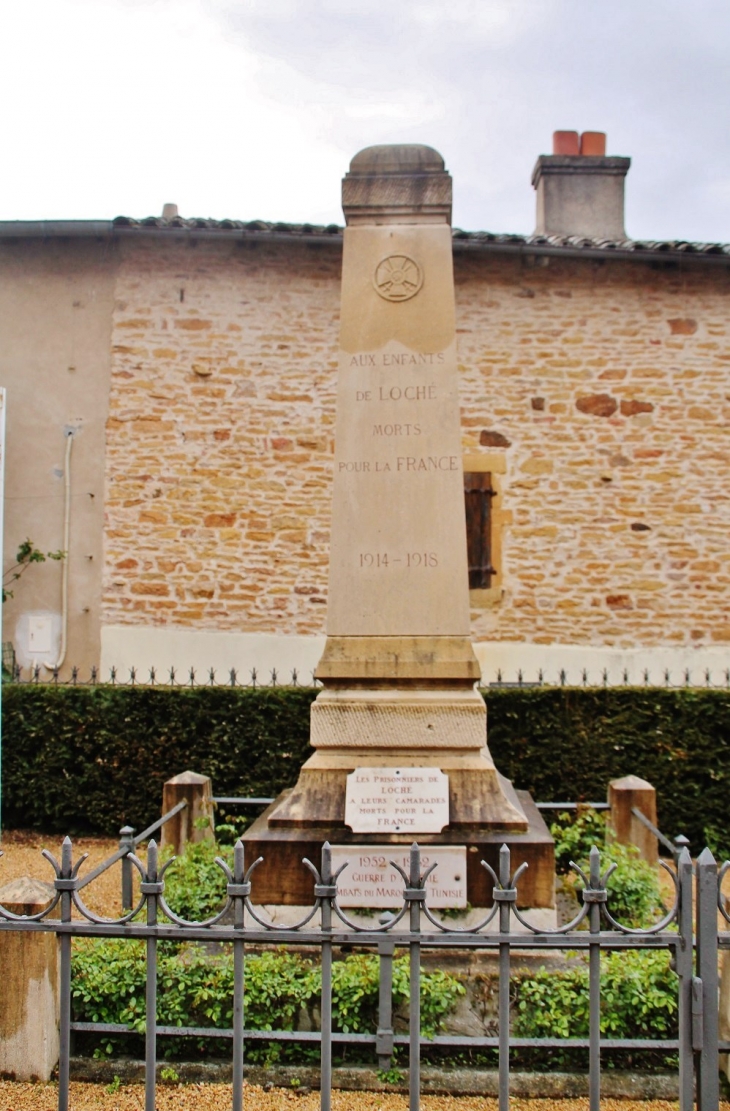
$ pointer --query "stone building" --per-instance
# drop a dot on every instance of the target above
(170, 391)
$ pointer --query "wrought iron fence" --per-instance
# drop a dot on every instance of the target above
(689, 930)
(699, 678)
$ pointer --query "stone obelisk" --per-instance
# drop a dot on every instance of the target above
(398, 669)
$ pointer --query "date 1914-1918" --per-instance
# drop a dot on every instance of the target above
(408, 560)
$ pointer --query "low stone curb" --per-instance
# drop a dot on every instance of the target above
(615, 1083)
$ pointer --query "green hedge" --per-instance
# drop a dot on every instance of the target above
(88, 759)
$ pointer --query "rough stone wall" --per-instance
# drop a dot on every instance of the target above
(606, 386)
(219, 440)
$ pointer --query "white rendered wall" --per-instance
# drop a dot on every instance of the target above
(126, 646)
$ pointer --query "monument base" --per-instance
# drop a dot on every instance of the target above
(478, 795)
(281, 878)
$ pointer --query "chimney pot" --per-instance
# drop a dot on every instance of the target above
(565, 142)
(593, 143)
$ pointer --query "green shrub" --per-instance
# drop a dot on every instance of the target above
(196, 989)
(638, 1000)
(195, 886)
(575, 835)
(634, 896)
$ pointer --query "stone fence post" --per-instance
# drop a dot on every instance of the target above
(197, 791)
(29, 1000)
(623, 795)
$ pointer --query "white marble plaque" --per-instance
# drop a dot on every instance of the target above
(370, 880)
(397, 800)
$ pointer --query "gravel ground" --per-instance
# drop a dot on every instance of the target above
(217, 1097)
(22, 857)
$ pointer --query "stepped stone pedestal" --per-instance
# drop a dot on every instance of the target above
(398, 669)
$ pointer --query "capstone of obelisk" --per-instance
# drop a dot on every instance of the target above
(398, 668)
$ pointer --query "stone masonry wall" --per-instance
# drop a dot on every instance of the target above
(220, 436)
(605, 386)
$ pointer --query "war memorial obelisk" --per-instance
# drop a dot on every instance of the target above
(399, 731)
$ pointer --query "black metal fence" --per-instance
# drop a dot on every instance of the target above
(689, 930)
(698, 678)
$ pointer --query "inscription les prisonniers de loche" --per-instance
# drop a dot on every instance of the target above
(397, 800)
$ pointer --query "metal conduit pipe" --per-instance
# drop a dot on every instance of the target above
(64, 562)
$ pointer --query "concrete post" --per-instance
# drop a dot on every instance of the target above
(195, 822)
(623, 795)
(29, 1008)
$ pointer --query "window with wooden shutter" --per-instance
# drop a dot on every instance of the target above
(478, 494)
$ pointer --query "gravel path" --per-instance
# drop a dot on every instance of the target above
(22, 857)
(217, 1097)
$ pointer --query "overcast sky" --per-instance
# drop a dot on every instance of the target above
(253, 108)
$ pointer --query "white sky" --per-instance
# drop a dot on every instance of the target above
(253, 108)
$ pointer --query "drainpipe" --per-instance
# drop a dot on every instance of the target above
(65, 561)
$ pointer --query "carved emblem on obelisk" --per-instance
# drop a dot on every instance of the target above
(397, 278)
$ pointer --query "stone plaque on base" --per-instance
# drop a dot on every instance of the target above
(371, 881)
(397, 800)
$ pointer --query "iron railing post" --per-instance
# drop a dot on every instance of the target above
(503, 895)
(594, 984)
(238, 894)
(126, 842)
(152, 888)
(384, 1035)
(415, 896)
(708, 1080)
(326, 893)
(65, 885)
(683, 962)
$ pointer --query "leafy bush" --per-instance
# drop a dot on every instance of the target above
(634, 897)
(195, 989)
(638, 1000)
(575, 835)
(195, 886)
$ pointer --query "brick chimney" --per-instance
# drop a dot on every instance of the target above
(580, 191)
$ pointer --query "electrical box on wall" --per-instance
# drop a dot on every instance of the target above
(37, 638)
(40, 631)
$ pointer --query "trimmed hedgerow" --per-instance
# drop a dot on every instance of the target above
(89, 759)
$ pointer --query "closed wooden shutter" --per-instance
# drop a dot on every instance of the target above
(478, 494)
